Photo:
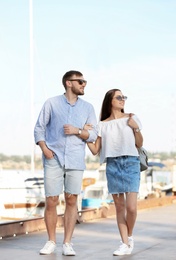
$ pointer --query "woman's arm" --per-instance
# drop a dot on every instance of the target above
(137, 133)
(95, 147)
(138, 138)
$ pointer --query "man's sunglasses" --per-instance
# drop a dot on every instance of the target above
(120, 98)
(80, 81)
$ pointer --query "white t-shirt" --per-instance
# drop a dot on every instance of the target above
(117, 138)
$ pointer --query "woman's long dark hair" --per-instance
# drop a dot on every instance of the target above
(107, 104)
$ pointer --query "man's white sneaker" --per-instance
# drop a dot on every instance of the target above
(131, 243)
(67, 249)
(122, 250)
(48, 248)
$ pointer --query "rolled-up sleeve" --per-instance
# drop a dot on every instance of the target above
(93, 121)
(42, 121)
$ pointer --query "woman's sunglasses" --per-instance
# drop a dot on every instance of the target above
(120, 98)
(80, 81)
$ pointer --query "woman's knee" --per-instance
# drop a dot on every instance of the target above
(131, 209)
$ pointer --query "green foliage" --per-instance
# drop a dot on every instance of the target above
(162, 155)
(15, 158)
(16, 161)
(90, 158)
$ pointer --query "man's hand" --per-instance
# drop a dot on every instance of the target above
(70, 130)
(49, 154)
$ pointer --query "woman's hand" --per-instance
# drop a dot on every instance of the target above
(132, 123)
(88, 127)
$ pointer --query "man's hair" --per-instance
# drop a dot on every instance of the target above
(68, 76)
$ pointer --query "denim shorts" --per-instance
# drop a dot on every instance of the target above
(57, 179)
(123, 174)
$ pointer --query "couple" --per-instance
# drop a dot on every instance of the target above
(64, 126)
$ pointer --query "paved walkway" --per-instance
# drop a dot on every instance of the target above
(155, 238)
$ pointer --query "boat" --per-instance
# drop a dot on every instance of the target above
(95, 193)
(21, 194)
(160, 178)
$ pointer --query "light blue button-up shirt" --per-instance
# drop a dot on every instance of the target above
(56, 112)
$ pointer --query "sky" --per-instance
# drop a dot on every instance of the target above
(125, 44)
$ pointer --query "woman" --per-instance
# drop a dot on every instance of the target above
(118, 138)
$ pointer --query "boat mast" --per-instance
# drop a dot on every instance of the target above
(31, 80)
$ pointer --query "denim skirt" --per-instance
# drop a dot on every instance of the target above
(123, 174)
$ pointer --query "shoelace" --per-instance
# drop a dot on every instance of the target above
(48, 244)
(69, 245)
(122, 245)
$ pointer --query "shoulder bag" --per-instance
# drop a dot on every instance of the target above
(143, 156)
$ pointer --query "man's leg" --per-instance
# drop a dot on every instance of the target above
(53, 180)
(51, 217)
(70, 216)
(50, 221)
(72, 187)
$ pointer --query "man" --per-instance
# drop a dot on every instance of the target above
(59, 133)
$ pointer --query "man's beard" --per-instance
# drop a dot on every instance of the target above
(77, 91)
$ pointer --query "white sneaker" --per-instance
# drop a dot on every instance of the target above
(123, 250)
(67, 249)
(48, 248)
(131, 243)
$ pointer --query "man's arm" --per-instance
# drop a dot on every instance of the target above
(46, 151)
(71, 130)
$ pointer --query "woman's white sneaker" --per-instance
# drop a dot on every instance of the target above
(67, 249)
(131, 243)
(123, 250)
(48, 248)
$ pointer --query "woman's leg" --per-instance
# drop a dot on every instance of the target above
(131, 208)
(120, 205)
(126, 213)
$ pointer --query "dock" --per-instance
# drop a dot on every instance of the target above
(97, 238)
